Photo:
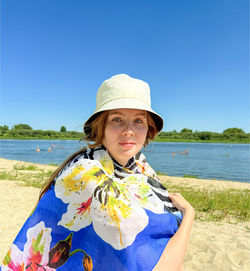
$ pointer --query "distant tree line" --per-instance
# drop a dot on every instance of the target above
(230, 134)
(24, 131)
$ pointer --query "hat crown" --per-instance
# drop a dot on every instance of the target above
(122, 86)
(123, 91)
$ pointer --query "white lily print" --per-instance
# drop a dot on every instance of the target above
(35, 255)
(114, 206)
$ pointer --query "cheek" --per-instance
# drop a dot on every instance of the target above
(145, 135)
(142, 133)
(110, 132)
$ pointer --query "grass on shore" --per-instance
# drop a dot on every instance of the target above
(23, 167)
(185, 175)
(27, 175)
(231, 205)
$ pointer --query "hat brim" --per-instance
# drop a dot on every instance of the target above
(122, 103)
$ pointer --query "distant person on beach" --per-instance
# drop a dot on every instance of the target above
(105, 208)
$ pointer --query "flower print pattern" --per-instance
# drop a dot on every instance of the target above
(59, 254)
(143, 167)
(115, 207)
(94, 199)
(35, 255)
(87, 263)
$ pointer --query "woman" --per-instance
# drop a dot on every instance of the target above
(104, 208)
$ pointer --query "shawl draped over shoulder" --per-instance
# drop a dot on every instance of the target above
(97, 215)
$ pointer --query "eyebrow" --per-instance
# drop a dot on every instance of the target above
(119, 113)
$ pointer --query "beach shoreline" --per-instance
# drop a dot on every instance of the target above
(7, 165)
(213, 245)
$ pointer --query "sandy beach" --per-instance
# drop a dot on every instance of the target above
(213, 246)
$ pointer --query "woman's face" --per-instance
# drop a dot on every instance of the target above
(125, 133)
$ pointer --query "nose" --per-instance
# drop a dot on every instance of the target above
(128, 130)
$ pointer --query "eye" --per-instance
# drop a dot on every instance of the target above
(139, 121)
(117, 119)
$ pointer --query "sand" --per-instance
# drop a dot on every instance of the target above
(213, 246)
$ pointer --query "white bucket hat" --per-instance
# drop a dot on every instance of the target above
(123, 91)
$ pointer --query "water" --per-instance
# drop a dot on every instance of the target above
(25, 150)
(220, 161)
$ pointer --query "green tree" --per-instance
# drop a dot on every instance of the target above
(233, 131)
(205, 135)
(185, 130)
(22, 127)
(4, 128)
(63, 129)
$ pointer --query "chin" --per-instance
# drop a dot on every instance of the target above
(130, 155)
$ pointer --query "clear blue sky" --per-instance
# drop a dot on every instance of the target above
(194, 54)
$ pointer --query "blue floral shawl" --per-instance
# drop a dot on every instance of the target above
(97, 215)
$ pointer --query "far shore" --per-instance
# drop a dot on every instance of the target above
(213, 246)
(156, 140)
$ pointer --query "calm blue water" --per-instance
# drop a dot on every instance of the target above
(204, 160)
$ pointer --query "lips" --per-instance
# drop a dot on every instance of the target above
(127, 144)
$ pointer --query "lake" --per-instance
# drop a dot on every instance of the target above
(222, 161)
